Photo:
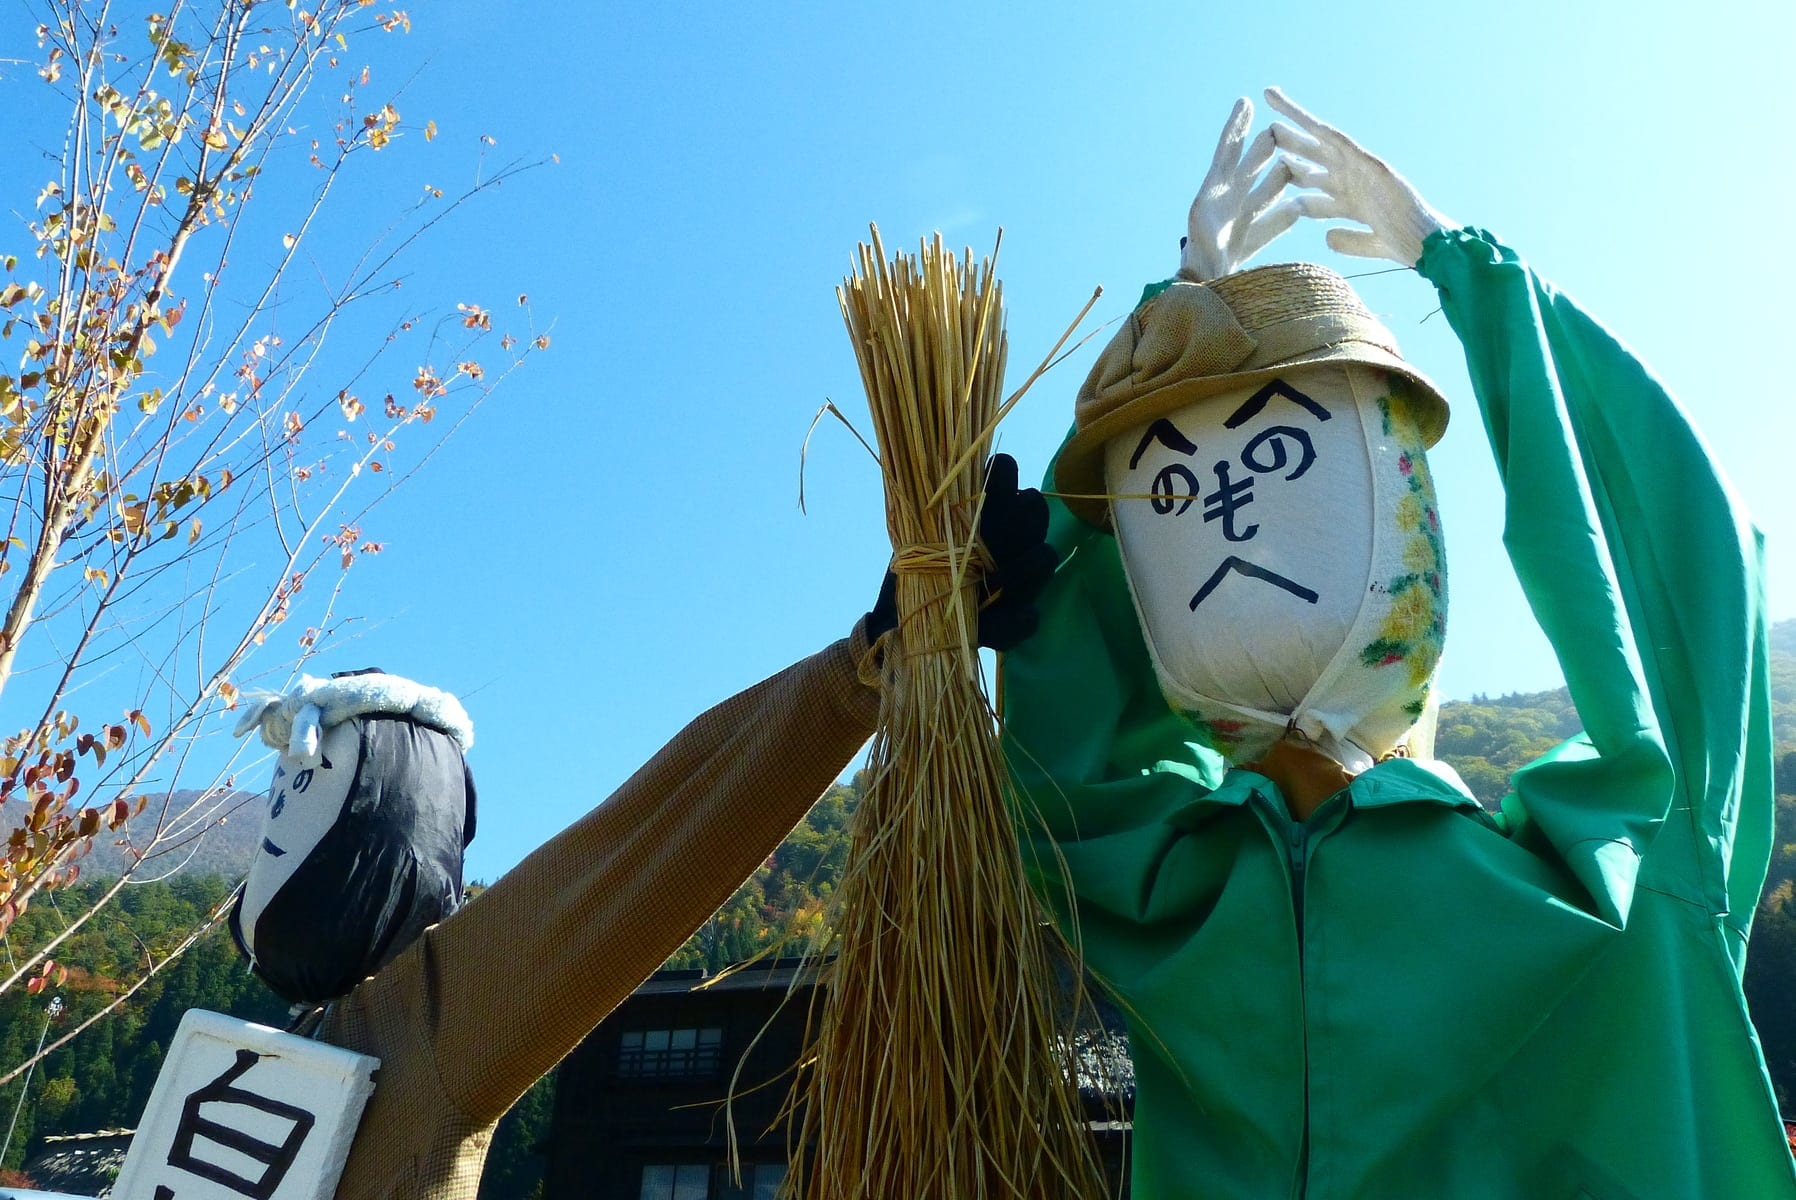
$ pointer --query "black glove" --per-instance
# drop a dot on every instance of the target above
(1013, 525)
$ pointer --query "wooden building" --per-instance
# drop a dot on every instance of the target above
(640, 1109)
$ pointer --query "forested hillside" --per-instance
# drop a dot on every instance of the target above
(102, 1079)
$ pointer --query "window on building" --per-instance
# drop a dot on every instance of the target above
(676, 1181)
(669, 1051)
(759, 1182)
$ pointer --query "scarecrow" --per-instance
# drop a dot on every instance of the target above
(1345, 978)
(352, 908)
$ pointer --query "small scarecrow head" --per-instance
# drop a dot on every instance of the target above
(1256, 443)
(370, 809)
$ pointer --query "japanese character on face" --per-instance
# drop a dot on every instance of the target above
(1245, 522)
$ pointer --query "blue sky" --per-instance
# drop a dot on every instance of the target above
(613, 542)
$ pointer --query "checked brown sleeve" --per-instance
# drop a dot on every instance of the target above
(481, 1005)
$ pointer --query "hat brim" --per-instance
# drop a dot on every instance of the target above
(1079, 471)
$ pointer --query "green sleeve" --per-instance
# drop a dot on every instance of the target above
(1645, 574)
(1106, 774)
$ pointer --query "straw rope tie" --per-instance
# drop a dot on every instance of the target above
(935, 558)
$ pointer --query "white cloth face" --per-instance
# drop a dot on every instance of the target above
(304, 803)
(1283, 550)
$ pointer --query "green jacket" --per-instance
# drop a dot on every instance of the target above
(1409, 997)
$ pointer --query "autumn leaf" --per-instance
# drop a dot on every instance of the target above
(430, 131)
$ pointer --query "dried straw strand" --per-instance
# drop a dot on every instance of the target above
(940, 1068)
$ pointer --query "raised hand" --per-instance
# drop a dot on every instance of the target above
(1013, 525)
(1352, 183)
(1233, 217)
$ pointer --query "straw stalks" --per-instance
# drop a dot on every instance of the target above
(940, 1067)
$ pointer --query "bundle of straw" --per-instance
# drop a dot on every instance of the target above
(940, 1068)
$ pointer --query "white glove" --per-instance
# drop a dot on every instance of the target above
(1355, 184)
(1233, 217)
(294, 722)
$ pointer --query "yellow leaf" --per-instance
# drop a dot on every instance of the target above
(215, 139)
(287, 241)
(430, 131)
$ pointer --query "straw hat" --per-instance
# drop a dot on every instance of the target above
(1187, 341)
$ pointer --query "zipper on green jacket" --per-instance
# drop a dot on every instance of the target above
(1297, 842)
(1298, 837)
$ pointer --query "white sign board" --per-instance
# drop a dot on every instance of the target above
(244, 1112)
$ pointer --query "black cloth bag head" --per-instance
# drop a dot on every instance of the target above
(361, 852)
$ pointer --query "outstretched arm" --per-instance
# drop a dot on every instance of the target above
(528, 968)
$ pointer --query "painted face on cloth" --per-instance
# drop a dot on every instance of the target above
(1283, 549)
(305, 802)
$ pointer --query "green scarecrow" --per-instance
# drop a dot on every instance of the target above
(1345, 979)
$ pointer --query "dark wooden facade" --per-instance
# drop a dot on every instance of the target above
(640, 1104)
